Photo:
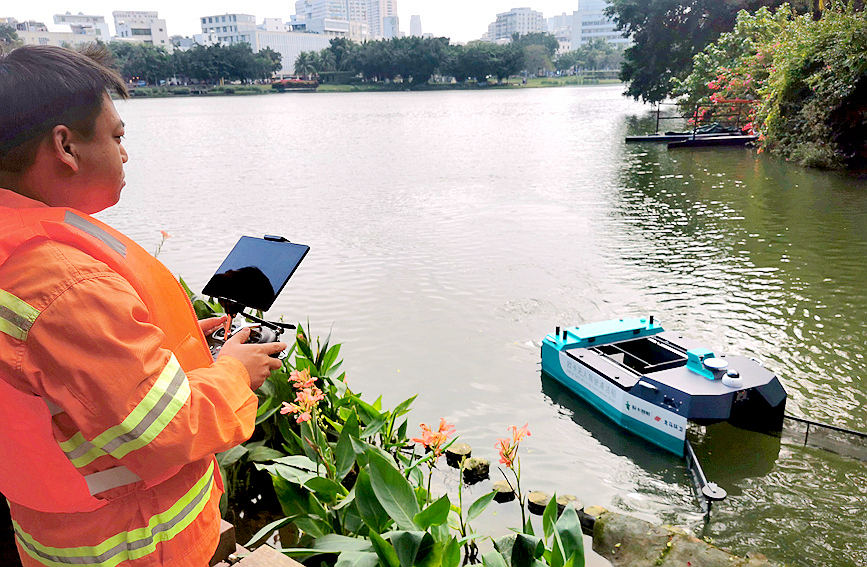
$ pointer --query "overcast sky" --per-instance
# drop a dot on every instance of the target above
(461, 20)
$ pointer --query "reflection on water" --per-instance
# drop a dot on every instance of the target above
(450, 231)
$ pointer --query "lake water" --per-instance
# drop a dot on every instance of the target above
(450, 231)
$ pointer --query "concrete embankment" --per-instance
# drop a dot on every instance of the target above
(630, 542)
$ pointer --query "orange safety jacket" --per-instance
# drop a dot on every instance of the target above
(111, 407)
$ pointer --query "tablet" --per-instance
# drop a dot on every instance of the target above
(256, 270)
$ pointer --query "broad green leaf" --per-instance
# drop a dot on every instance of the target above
(357, 559)
(477, 507)
(329, 358)
(374, 427)
(494, 559)
(312, 526)
(452, 554)
(264, 454)
(265, 413)
(292, 497)
(230, 457)
(403, 407)
(395, 494)
(297, 461)
(384, 550)
(292, 474)
(335, 543)
(325, 489)
(434, 515)
(569, 530)
(520, 550)
(528, 527)
(368, 505)
(264, 532)
(549, 517)
(406, 545)
(344, 454)
(557, 558)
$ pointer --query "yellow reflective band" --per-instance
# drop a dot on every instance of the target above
(149, 418)
(130, 545)
(16, 316)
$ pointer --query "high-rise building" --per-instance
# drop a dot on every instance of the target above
(83, 24)
(273, 34)
(517, 20)
(335, 18)
(142, 27)
(415, 26)
(36, 33)
(590, 22)
(377, 11)
(561, 28)
(390, 27)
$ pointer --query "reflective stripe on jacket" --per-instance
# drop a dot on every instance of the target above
(105, 378)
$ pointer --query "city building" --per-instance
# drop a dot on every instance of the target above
(142, 27)
(590, 22)
(561, 28)
(36, 33)
(390, 27)
(82, 24)
(415, 26)
(273, 33)
(377, 11)
(334, 18)
(517, 20)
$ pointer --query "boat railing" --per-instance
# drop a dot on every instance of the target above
(699, 120)
(833, 438)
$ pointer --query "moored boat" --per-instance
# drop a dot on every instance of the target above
(652, 382)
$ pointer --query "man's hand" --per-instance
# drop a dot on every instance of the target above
(256, 358)
(211, 324)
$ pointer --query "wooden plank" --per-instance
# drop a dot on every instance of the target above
(227, 543)
(267, 556)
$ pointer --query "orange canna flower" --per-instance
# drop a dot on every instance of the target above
(435, 441)
(508, 448)
(165, 234)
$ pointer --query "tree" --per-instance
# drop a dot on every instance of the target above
(666, 34)
(140, 61)
(8, 38)
(305, 63)
(546, 40)
(536, 60)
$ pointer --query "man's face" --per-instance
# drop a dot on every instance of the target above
(100, 177)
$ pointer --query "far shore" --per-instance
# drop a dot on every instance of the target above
(256, 89)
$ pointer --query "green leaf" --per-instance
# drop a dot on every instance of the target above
(329, 358)
(297, 461)
(407, 544)
(403, 407)
(375, 427)
(264, 414)
(494, 559)
(520, 550)
(264, 454)
(477, 507)
(292, 474)
(344, 454)
(312, 526)
(395, 494)
(452, 554)
(230, 457)
(357, 559)
(549, 517)
(528, 527)
(261, 534)
(434, 515)
(557, 559)
(325, 489)
(569, 531)
(335, 543)
(368, 505)
(294, 499)
(384, 550)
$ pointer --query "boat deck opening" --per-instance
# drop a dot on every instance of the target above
(643, 355)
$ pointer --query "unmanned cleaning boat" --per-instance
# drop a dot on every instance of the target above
(653, 382)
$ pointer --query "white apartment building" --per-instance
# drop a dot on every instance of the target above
(228, 29)
(590, 22)
(415, 26)
(242, 28)
(334, 18)
(391, 27)
(517, 20)
(142, 27)
(82, 24)
(377, 11)
(36, 33)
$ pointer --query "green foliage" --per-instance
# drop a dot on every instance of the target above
(593, 55)
(808, 77)
(667, 34)
(349, 478)
(8, 38)
(546, 40)
(139, 61)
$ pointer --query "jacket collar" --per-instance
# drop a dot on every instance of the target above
(14, 200)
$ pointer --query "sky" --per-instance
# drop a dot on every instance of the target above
(461, 20)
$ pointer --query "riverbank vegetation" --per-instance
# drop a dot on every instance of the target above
(416, 60)
(351, 480)
(804, 81)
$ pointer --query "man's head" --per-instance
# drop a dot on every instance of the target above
(59, 131)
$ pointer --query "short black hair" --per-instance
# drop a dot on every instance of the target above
(42, 86)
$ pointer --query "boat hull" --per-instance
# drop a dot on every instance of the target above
(663, 428)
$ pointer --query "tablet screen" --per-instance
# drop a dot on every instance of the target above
(255, 271)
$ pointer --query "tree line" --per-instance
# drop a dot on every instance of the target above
(416, 59)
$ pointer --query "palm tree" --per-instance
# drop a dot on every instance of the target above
(305, 63)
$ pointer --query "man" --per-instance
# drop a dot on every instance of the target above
(111, 408)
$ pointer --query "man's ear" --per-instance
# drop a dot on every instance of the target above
(63, 143)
